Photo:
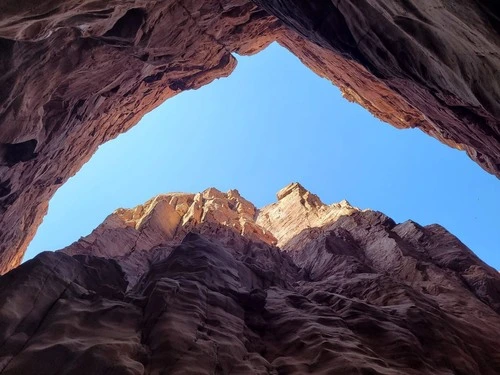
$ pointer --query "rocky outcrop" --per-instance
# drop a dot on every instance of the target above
(74, 74)
(196, 284)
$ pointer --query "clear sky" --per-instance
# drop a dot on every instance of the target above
(270, 123)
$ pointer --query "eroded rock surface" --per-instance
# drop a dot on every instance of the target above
(195, 284)
(74, 74)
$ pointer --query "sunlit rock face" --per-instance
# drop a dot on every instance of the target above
(209, 284)
(74, 74)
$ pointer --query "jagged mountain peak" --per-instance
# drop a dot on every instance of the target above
(207, 283)
(167, 218)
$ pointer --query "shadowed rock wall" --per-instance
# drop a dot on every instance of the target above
(195, 284)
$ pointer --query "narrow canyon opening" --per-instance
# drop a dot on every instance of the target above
(214, 280)
(256, 131)
(429, 66)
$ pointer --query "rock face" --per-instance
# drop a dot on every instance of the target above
(76, 73)
(196, 284)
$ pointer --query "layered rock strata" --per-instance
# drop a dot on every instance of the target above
(74, 74)
(209, 284)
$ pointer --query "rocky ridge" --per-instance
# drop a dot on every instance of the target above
(209, 284)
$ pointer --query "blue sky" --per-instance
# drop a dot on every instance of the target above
(270, 123)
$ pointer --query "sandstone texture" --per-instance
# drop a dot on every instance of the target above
(76, 73)
(209, 284)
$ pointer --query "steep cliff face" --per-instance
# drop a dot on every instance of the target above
(209, 284)
(74, 74)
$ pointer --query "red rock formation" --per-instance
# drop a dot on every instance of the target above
(194, 284)
(74, 74)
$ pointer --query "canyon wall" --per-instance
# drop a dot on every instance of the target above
(74, 74)
(209, 284)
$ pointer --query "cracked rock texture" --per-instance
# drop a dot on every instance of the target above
(76, 73)
(209, 284)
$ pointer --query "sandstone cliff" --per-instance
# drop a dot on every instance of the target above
(76, 73)
(209, 284)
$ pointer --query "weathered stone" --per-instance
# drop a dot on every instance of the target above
(74, 74)
(180, 286)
